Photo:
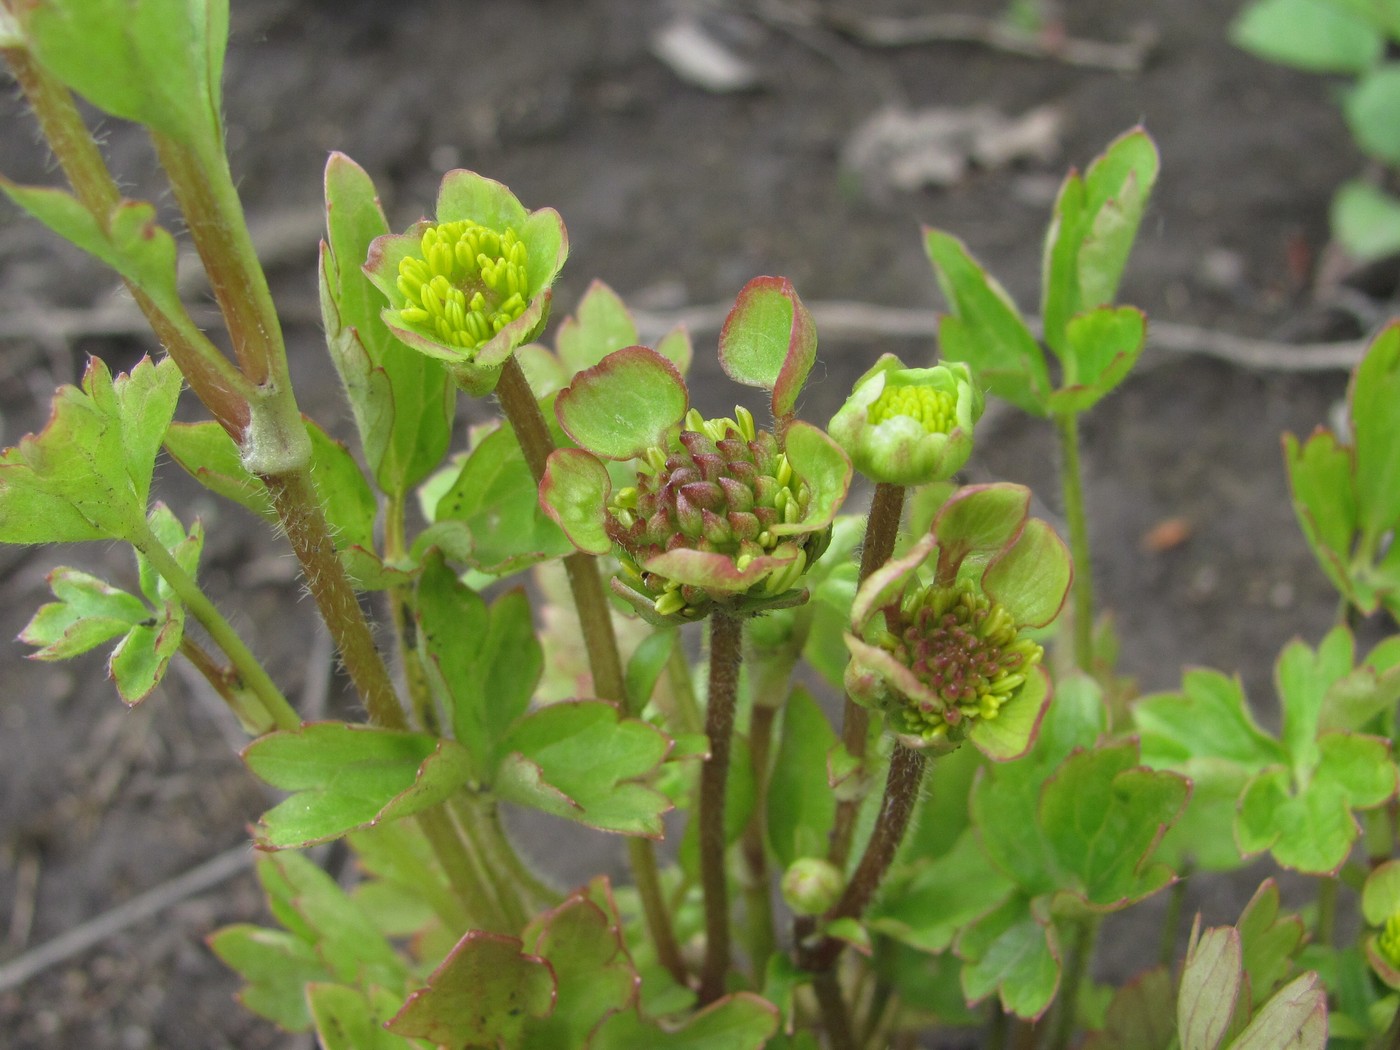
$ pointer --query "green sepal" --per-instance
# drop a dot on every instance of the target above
(130, 240)
(1013, 952)
(1030, 578)
(155, 62)
(483, 994)
(801, 807)
(574, 493)
(494, 496)
(583, 760)
(1096, 220)
(985, 328)
(87, 474)
(768, 340)
(1374, 395)
(1316, 35)
(741, 1021)
(821, 462)
(346, 777)
(628, 402)
(978, 520)
(1101, 347)
(594, 976)
(403, 404)
(347, 1018)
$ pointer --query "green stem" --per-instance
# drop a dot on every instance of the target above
(758, 891)
(247, 708)
(281, 712)
(881, 532)
(835, 1017)
(1076, 964)
(1171, 923)
(595, 621)
(481, 908)
(1072, 489)
(726, 653)
(401, 616)
(901, 794)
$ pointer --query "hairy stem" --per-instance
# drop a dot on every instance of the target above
(881, 531)
(247, 708)
(896, 807)
(244, 663)
(1072, 489)
(595, 620)
(726, 652)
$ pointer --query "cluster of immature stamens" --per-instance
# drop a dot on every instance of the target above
(934, 410)
(720, 487)
(470, 282)
(965, 650)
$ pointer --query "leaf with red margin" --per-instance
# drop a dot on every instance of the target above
(623, 405)
(769, 341)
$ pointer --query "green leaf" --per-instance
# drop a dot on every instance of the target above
(1269, 941)
(350, 1019)
(87, 474)
(623, 405)
(1141, 1016)
(276, 967)
(645, 667)
(399, 856)
(403, 403)
(1103, 815)
(600, 325)
(88, 612)
(483, 995)
(1211, 980)
(801, 807)
(769, 341)
(985, 327)
(496, 497)
(349, 776)
(940, 896)
(1209, 718)
(1323, 487)
(1315, 35)
(1366, 220)
(1304, 677)
(1101, 347)
(156, 62)
(584, 761)
(741, 1021)
(1372, 110)
(1014, 952)
(130, 242)
(1375, 391)
(1096, 220)
(594, 976)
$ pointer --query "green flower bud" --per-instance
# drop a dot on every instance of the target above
(909, 426)
(811, 885)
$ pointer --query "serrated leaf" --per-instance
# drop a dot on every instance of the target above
(801, 807)
(87, 474)
(1101, 347)
(482, 995)
(348, 776)
(1269, 941)
(88, 612)
(1310, 34)
(156, 62)
(1014, 953)
(275, 966)
(985, 327)
(1095, 223)
(741, 1021)
(584, 761)
(1303, 678)
(594, 976)
(350, 1019)
(403, 403)
(1211, 980)
(1375, 391)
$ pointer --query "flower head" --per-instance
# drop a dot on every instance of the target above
(909, 426)
(473, 285)
(948, 660)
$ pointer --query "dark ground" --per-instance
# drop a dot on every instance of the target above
(675, 197)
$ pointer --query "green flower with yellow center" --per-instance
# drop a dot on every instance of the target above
(909, 426)
(474, 285)
(948, 660)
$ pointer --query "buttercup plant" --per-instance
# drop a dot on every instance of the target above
(965, 821)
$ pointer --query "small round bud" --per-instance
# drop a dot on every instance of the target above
(811, 885)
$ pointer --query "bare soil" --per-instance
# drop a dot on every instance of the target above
(675, 196)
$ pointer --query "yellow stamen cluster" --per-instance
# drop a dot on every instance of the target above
(469, 283)
(934, 410)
